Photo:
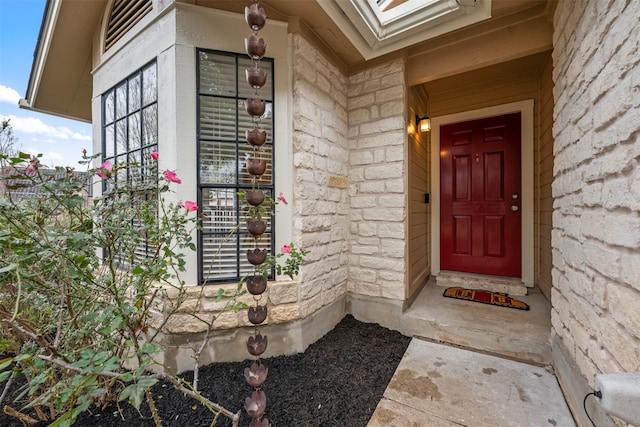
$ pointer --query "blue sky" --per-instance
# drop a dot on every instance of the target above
(59, 140)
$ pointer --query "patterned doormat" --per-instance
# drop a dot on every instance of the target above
(485, 297)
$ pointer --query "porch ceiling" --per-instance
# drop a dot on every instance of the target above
(61, 80)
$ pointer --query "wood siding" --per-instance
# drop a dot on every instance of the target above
(419, 219)
(544, 179)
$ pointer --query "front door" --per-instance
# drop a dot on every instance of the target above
(480, 192)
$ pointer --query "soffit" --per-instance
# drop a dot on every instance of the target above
(61, 80)
(338, 29)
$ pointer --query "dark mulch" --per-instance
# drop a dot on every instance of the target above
(338, 381)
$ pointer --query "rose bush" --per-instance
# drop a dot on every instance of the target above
(78, 283)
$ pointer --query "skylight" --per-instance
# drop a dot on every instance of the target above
(400, 23)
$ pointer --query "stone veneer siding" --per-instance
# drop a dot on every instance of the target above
(320, 159)
(377, 181)
(596, 220)
(321, 217)
(349, 195)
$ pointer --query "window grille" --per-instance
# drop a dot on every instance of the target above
(129, 136)
(222, 151)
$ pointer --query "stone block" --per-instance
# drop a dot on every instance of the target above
(382, 125)
(309, 289)
(371, 85)
(624, 305)
(369, 289)
(186, 324)
(358, 275)
(357, 249)
(364, 202)
(361, 101)
(361, 158)
(310, 306)
(283, 292)
(630, 268)
(617, 340)
(392, 290)
(393, 248)
(227, 320)
(390, 201)
(283, 314)
(387, 94)
(388, 170)
(393, 230)
(384, 214)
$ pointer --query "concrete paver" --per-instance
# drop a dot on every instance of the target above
(441, 386)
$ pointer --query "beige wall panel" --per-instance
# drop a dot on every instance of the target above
(544, 166)
(419, 212)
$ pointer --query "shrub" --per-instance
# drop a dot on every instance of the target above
(78, 282)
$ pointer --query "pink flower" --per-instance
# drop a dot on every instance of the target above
(285, 249)
(281, 198)
(84, 151)
(190, 206)
(172, 177)
(154, 155)
(30, 170)
(105, 168)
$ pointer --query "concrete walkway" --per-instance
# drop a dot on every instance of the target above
(438, 385)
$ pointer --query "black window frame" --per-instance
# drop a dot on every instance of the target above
(240, 143)
(142, 151)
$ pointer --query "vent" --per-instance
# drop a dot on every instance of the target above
(124, 15)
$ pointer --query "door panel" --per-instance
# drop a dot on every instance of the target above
(480, 185)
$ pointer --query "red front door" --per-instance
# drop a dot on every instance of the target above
(480, 218)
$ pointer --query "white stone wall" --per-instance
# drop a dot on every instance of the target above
(377, 181)
(320, 156)
(596, 233)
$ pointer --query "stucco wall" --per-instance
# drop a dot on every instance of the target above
(596, 234)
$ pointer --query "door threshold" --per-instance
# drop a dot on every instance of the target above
(506, 285)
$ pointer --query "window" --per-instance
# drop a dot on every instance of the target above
(222, 150)
(130, 135)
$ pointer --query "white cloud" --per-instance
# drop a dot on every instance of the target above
(50, 158)
(32, 125)
(8, 95)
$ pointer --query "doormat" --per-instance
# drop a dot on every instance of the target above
(485, 297)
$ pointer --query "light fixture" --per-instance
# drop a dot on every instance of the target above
(423, 123)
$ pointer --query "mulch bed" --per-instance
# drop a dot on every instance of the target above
(337, 381)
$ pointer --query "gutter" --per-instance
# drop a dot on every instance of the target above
(49, 19)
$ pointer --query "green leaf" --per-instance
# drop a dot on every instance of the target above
(126, 392)
(5, 362)
(23, 356)
(63, 420)
(149, 348)
(147, 382)
(81, 363)
(8, 268)
(4, 376)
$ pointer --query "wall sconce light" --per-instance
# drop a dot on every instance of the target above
(423, 123)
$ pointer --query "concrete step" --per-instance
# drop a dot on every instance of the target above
(518, 334)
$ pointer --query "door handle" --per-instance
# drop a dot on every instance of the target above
(515, 208)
